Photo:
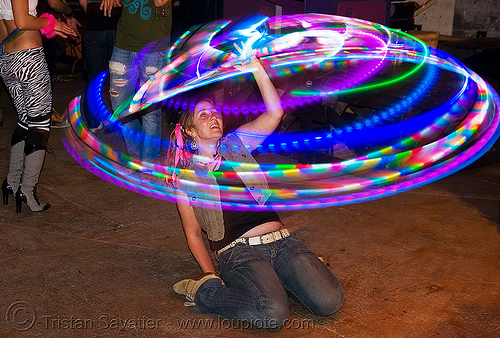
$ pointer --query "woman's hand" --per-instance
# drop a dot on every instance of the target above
(73, 23)
(248, 64)
(107, 6)
(63, 30)
(160, 3)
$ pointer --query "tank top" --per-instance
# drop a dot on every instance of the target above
(6, 9)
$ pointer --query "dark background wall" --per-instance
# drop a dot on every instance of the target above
(477, 15)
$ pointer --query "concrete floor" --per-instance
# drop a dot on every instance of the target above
(101, 262)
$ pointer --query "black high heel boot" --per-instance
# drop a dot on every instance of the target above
(6, 190)
(16, 163)
(30, 199)
(33, 163)
(34, 151)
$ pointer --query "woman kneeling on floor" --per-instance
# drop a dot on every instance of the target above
(260, 262)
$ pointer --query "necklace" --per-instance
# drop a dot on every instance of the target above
(201, 160)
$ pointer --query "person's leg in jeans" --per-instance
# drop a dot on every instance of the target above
(123, 83)
(151, 63)
(95, 55)
(251, 292)
(307, 279)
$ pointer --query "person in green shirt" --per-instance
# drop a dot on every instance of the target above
(142, 42)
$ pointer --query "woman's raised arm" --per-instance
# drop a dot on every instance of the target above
(254, 132)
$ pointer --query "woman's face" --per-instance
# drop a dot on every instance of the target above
(207, 121)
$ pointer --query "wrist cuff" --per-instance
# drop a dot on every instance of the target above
(48, 31)
(70, 15)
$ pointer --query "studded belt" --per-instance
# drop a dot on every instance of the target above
(270, 237)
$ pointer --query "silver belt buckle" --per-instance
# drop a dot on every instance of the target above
(254, 240)
(266, 238)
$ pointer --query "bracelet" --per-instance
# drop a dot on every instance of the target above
(48, 31)
(70, 15)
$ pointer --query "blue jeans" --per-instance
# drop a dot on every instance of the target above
(97, 50)
(258, 280)
(128, 71)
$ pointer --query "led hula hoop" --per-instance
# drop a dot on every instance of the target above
(441, 116)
